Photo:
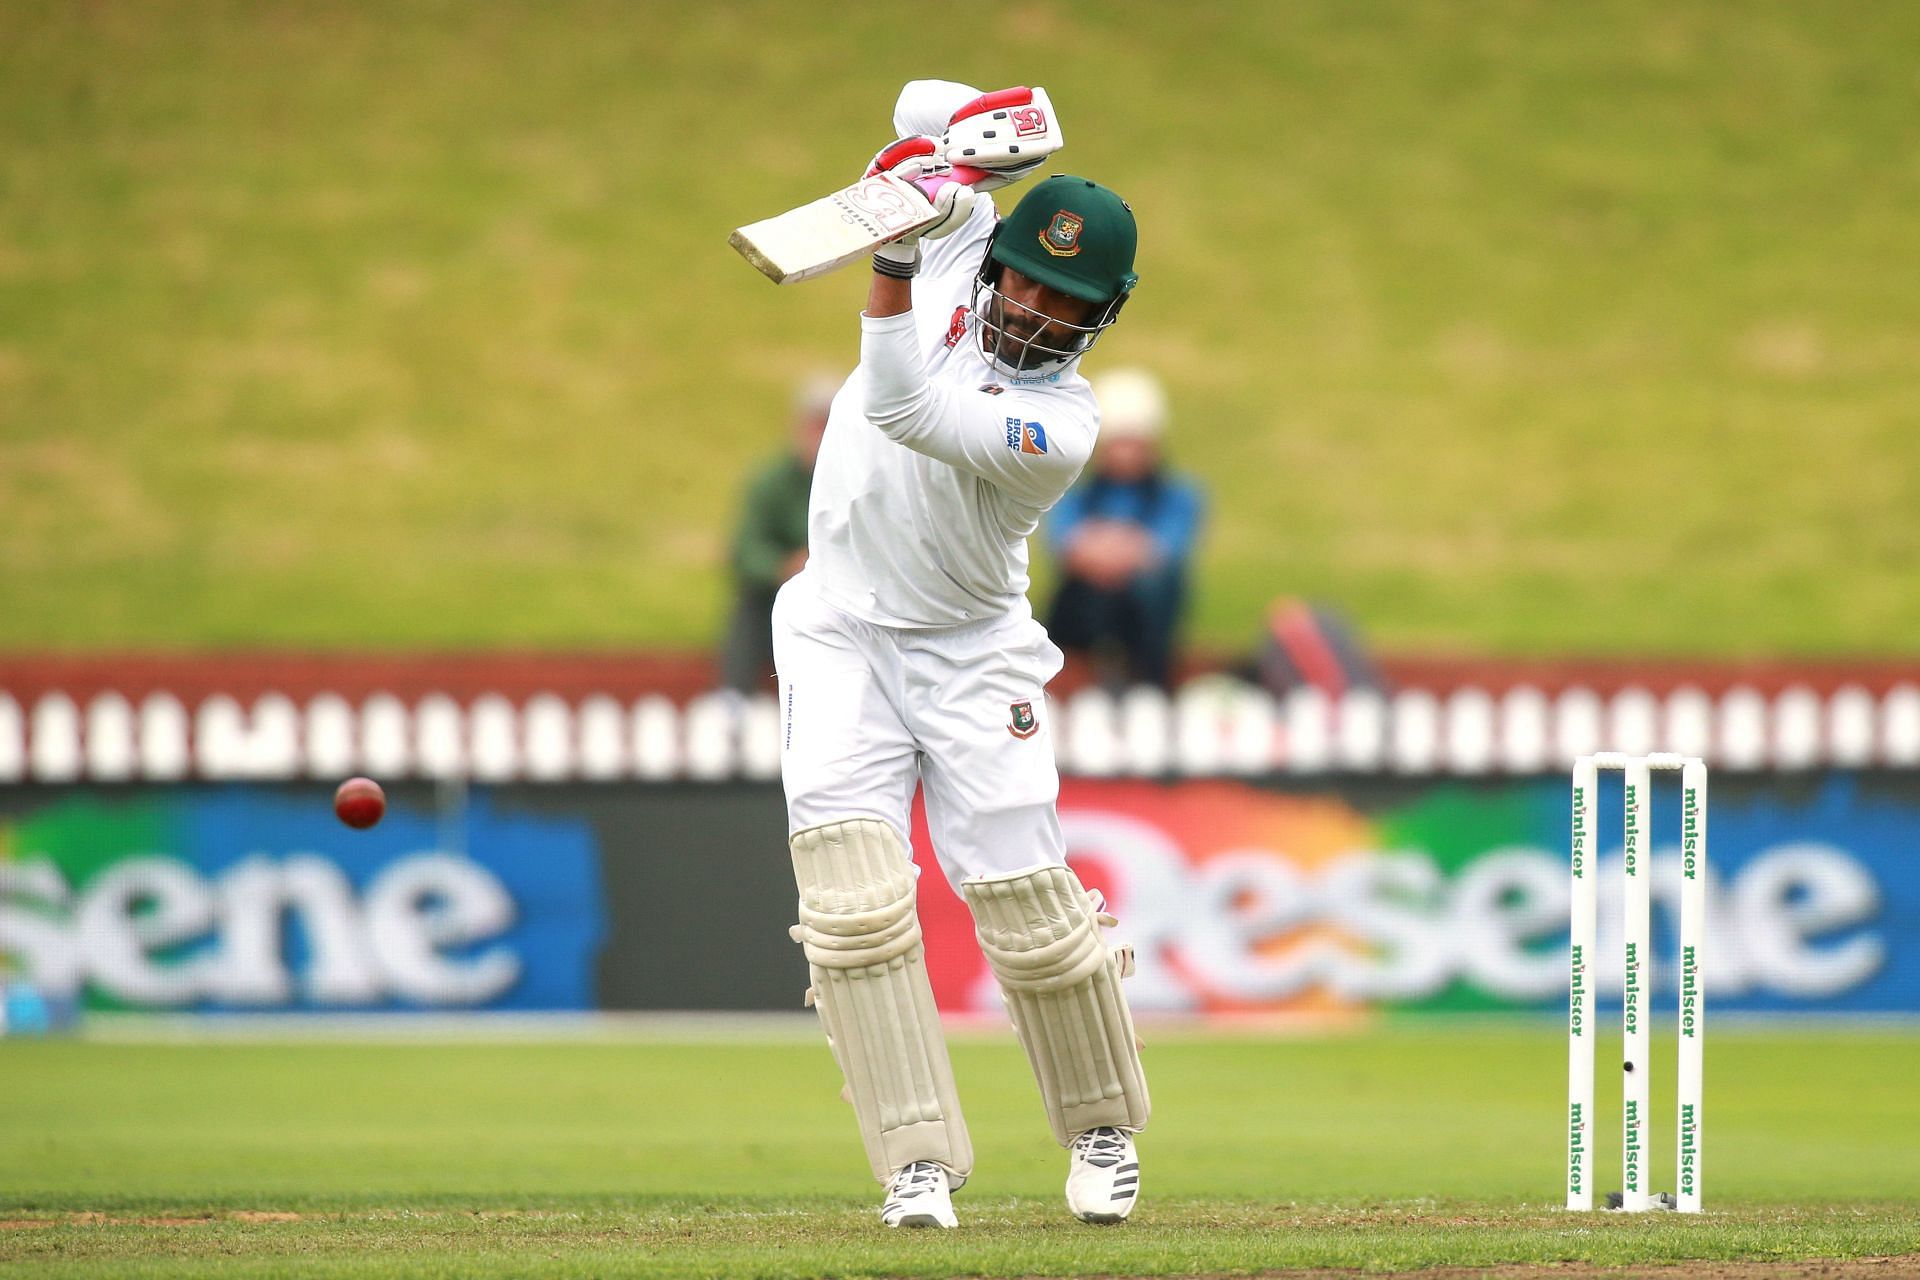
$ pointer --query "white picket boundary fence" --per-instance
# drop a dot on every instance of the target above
(1208, 729)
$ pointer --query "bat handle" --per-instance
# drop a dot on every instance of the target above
(932, 185)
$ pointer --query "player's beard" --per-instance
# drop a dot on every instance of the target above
(1034, 344)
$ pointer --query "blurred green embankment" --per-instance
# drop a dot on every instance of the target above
(1508, 327)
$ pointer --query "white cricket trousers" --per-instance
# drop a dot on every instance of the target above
(866, 711)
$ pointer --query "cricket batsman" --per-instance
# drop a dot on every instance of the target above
(907, 652)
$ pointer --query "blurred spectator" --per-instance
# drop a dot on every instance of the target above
(1123, 538)
(770, 543)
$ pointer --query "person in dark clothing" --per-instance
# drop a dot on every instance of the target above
(1123, 538)
(770, 542)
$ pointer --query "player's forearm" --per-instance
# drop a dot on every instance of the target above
(898, 395)
(889, 296)
(901, 402)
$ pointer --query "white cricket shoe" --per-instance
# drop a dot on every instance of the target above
(919, 1196)
(1104, 1179)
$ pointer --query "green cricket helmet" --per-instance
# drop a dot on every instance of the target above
(1074, 236)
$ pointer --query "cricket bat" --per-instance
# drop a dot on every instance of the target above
(997, 138)
(831, 232)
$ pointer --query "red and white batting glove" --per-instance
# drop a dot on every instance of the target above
(894, 157)
(1001, 137)
(917, 160)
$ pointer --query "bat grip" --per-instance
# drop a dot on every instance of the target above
(959, 173)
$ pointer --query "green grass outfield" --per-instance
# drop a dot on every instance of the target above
(1511, 326)
(1419, 1147)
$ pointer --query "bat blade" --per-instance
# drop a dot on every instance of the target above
(834, 230)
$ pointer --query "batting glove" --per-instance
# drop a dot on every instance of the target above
(918, 161)
(1001, 137)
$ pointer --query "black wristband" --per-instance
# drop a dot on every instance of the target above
(896, 270)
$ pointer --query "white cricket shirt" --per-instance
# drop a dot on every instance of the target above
(935, 466)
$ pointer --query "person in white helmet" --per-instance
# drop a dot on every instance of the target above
(1124, 538)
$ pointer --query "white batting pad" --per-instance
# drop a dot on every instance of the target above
(862, 938)
(1041, 933)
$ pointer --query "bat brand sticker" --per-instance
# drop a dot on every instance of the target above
(875, 203)
(1024, 723)
(957, 327)
(1061, 237)
(1028, 121)
(1026, 437)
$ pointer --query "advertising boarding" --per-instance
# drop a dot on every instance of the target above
(1242, 899)
(235, 899)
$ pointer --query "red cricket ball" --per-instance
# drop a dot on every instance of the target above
(360, 803)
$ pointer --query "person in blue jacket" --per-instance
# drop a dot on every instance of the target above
(1123, 538)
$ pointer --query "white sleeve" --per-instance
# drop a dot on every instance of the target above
(925, 107)
(1033, 458)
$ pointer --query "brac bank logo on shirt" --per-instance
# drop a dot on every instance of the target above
(1026, 437)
